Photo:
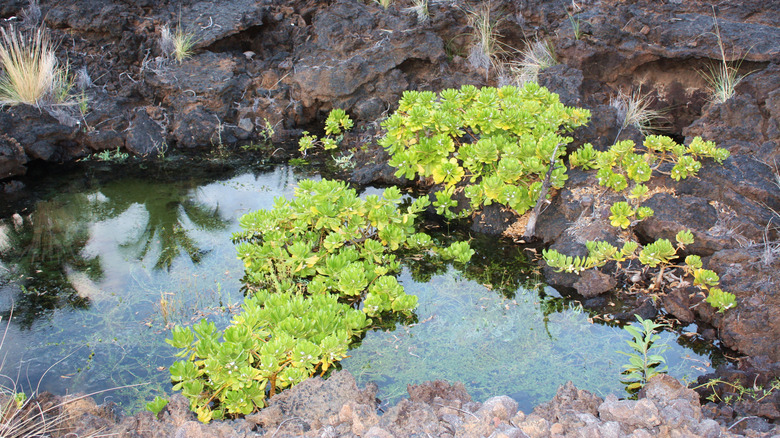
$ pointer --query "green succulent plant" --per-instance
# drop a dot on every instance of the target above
(495, 144)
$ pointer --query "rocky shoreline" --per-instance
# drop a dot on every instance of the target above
(270, 69)
(336, 407)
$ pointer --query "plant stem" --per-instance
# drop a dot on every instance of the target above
(530, 229)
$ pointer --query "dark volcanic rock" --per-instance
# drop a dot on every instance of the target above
(672, 214)
(12, 157)
(749, 122)
(593, 282)
(752, 275)
(145, 137)
(355, 54)
(41, 135)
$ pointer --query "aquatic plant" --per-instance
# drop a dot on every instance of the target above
(330, 240)
(301, 258)
(491, 144)
(278, 339)
(622, 169)
(646, 360)
(31, 72)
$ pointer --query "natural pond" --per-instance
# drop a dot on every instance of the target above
(97, 267)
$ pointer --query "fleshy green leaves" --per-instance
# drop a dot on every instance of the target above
(500, 140)
(310, 263)
(337, 122)
(621, 212)
(721, 300)
(278, 340)
(660, 251)
(645, 359)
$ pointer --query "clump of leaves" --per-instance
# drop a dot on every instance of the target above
(277, 340)
(335, 125)
(332, 241)
(625, 170)
(157, 405)
(646, 360)
(494, 143)
(310, 263)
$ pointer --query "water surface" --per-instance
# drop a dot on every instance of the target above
(103, 265)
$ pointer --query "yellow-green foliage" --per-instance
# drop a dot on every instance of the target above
(497, 142)
(622, 168)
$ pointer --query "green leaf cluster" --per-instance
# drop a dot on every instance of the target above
(497, 142)
(645, 360)
(335, 125)
(708, 281)
(157, 405)
(622, 163)
(328, 240)
(661, 253)
(310, 262)
(277, 340)
(623, 167)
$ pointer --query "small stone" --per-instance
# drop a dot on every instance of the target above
(377, 432)
(535, 426)
(501, 407)
(507, 431)
(593, 282)
(246, 124)
(557, 429)
(708, 429)
(452, 419)
(518, 418)
(641, 433)
(610, 429)
(631, 413)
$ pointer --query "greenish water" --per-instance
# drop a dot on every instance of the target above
(103, 265)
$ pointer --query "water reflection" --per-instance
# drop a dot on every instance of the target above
(171, 212)
(44, 250)
(107, 254)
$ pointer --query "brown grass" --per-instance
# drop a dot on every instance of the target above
(31, 72)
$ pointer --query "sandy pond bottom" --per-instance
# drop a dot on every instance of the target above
(103, 266)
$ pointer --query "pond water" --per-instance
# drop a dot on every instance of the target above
(97, 267)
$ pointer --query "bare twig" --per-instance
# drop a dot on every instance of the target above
(530, 229)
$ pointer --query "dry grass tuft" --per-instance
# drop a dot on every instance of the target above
(724, 76)
(31, 72)
(537, 56)
(634, 110)
(486, 49)
(178, 44)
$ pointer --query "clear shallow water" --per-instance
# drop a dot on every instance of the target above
(103, 266)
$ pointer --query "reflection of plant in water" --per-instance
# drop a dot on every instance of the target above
(166, 207)
(499, 265)
(44, 251)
